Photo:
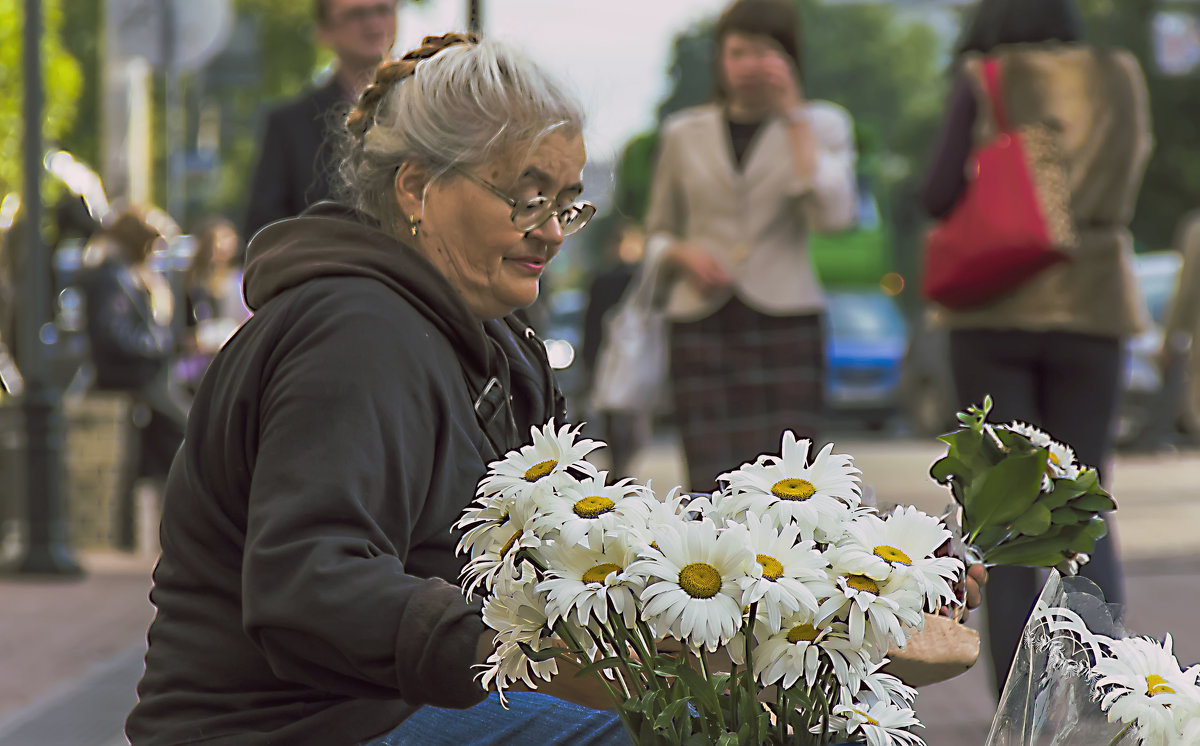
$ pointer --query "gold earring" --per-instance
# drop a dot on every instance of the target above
(414, 225)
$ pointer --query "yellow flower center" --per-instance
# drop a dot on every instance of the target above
(593, 506)
(509, 544)
(601, 571)
(892, 554)
(1156, 684)
(540, 469)
(862, 583)
(772, 568)
(867, 717)
(1054, 459)
(793, 488)
(700, 580)
(802, 633)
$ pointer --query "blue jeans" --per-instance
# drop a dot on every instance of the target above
(530, 718)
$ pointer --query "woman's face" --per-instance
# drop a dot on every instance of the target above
(746, 64)
(467, 232)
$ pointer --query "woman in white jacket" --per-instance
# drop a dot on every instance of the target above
(738, 185)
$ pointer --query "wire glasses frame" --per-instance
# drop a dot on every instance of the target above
(533, 213)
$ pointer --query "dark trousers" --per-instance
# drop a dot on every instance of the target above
(1069, 385)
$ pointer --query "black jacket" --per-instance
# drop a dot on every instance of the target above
(306, 591)
(128, 348)
(298, 157)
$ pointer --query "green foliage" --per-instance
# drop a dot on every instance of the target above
(61, 85)
(1015, 509)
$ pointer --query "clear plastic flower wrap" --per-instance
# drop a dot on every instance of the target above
(1079, 677)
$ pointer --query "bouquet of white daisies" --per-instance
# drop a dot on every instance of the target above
(760, 614)
(1022, 497)
(1080, 678)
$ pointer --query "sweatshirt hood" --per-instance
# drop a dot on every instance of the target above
(332, 240)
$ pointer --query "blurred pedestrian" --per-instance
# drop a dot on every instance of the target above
(1051, 352)
(297, 161)
(1180, 361)
(738, 185)
(129, 311)
(307, 589)
(624, 431)
(213, 292)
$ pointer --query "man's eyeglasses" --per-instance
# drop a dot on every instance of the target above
(534, 212)
(362, 13)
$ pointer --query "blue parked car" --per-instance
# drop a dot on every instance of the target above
(864, 350)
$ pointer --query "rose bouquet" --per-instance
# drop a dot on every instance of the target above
(1080, 678)
(760, 614)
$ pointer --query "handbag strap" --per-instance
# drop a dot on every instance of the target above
(991, 85)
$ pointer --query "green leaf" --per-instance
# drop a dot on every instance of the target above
(946, 467)
(1087, 535)
(594, 668)
(728, 739)
(669, 713)
(1031, 555)
(1033, 522)
(1094, 502)
(1005, 492)
(1069, 516)
(1062, 492)
(700, 689)
(545, 654)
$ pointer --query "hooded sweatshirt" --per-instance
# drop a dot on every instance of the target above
(305, 593)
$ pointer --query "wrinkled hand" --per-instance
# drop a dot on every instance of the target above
(700, 267)
(976, 578)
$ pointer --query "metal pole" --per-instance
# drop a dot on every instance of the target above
(47, 550)
(475, 16)
(173, 100)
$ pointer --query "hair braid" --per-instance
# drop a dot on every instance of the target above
(391, 73)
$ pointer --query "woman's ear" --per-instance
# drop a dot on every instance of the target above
(411, 181)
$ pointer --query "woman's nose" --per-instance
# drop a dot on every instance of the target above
(549, 232)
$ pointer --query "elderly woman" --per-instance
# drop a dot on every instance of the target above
(305, 591)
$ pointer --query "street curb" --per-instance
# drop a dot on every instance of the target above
(88, 710)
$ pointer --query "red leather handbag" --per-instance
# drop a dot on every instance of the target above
(1012, 221)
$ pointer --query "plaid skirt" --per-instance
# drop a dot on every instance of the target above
(739, 379)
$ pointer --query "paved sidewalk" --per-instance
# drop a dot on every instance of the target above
(71, 651)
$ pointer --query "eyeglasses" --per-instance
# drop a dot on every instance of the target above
(533, 213)
(363, 13)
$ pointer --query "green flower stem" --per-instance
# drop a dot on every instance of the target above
(704, 672)
(781, 718)
(622, 652)
(751, 690)
(704, 725)
(629, 639)
(1121, 736)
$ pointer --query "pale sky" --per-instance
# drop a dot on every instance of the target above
(612, 53)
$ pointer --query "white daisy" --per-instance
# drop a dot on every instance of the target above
(588, 509)
(589, 581)
(817, 496)
(692, 590)
(793, 571)
(878, 607)
(904, 543)
(673, 507)
(881, 723)
(544, 464)
(883, 687)
(1062, 458)
(1140, 681)
(798, 649)
(518, 617)
(495, 542)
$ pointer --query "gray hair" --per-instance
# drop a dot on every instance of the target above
(455, 102)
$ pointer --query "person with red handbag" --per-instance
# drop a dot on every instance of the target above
(1048, 346)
